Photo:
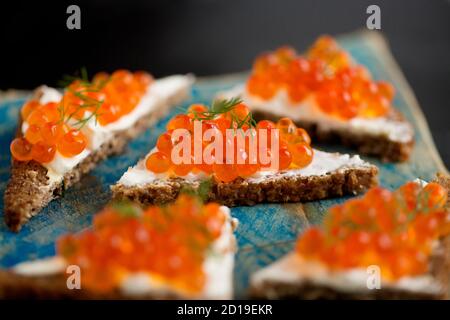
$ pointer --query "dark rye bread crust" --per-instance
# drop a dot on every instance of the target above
(374, 145)
(14, 286)
(29, 190)
(439, 269)
(242, 192)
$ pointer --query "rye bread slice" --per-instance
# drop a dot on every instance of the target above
(29, 189)
(280, 187)
(15, 286)
(53, 284)
(293, 285)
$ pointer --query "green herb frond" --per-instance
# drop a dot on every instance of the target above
(202, 191)
(222, 106)
(126, 209)
(88, 102)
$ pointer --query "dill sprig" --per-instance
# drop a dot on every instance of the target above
(88, 102)
(127, 209)
(202, 191)
(222, 106)
(81, 76)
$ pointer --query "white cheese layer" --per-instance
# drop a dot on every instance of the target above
(48, 94)
(42, 267)
(308, 110)
(293, 270)
(159, 93)
(322, 163)
(218, 268)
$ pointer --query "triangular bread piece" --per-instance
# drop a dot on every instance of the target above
(33, 185)
(328, 175)
(295, 277)
(47, 278)
(328, 94)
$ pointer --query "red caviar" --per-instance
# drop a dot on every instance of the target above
(169, 243)
(56, 123)
(158, 162)
(21, 149)
(72, 143)
(393, 230)
(33, 134)
(294, 145)
(114, 96)
(340, 88)
(43, 152)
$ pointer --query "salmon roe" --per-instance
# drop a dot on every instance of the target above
(21, 149)
(168, 243)
(340, 88)
(393, 230)
(294, 145)
(57, 124)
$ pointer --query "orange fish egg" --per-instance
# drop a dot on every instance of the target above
(302, 154)
(285, 159)
(34, 134)
(51, 133)
(180, 121)
(43, 152)
(158, 162)
(164, 143)
(28, 107)
(225, 172)
(143, 78)
(72, 143)
(197, 110)
(21, 149)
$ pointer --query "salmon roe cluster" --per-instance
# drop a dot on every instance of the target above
(118, 95)
(55, 126)
(340, 88)
(169, 243)
(393, 230)
(294, 145)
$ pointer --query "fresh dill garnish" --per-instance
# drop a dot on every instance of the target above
(222, 106)
(126, 209)
(202, 191)
(87, 101)
(79, 75)
(84, 74)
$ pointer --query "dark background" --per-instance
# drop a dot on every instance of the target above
(218, 36)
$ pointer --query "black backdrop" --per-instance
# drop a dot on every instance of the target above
(218, 36)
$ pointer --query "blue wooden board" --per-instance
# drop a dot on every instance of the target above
(266, 231)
